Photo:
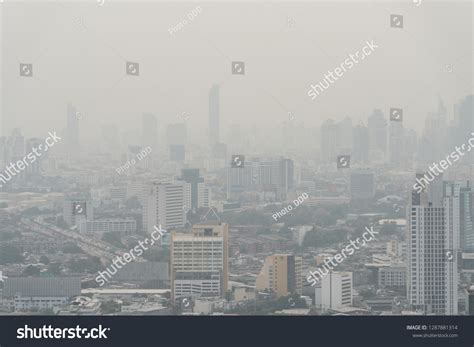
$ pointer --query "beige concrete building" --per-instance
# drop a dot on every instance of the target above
(200, 261)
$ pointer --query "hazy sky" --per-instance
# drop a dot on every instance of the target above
(79, 50)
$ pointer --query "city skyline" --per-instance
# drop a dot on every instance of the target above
(299, 159)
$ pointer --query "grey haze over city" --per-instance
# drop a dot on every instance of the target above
(249, 158)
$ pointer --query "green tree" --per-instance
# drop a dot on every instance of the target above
(319, 238)
(33, 211)
(113, 238)
(60, 222)
(71, 248)
(7, 235)
(10, 255)
(54, 269)
(88, 265)
(31, 270)
(44, 260)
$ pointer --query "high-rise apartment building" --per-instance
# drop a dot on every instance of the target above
(281, 274)
(433, 246)
(200, 261)
(466, 214)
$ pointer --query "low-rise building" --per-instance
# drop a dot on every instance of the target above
(41, 292)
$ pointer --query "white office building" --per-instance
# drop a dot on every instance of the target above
(335, 291)
(164, 204)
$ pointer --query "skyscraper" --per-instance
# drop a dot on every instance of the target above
(281, 274)
(396, 148)
(360, 148)
(466, 214)
(176, 137)
(328, 141)
(150, 131)
(434, 139)
(177, 153)
(200, 261)
(214, 115)
(464, 123)
(344, 139)
(377, 125)
(432, 243)
(336, 138)
(197, 194)
(176, 134)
